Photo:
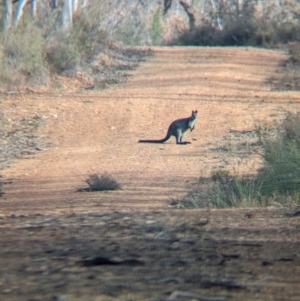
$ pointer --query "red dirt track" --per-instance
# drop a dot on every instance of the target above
(238, 254)
(98, 131)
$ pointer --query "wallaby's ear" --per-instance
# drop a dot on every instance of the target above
(196, 111)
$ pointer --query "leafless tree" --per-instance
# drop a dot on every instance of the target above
(8, 14)
(33, 8)
(54, 3)
(167, 6)
(84, 3)
(216, 12)
(74, 5)
(191, 16)
(19, 11)
(69, 7)
(67, 15)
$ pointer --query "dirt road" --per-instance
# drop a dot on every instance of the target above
(98, 131)
(49, 230)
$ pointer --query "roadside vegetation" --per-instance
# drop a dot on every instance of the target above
(98, 51)
(289, 76)
(277, 183)
(248, 23)
(95, 47)
(33, 53)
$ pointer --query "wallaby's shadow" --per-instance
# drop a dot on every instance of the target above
(184, 142)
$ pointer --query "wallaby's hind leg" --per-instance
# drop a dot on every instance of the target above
(179, 136)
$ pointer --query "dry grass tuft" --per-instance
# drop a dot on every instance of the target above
(102, 182)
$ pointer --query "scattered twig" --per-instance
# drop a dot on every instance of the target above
(178, 295)
(100, 260)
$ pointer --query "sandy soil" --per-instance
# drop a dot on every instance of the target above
(50, 231)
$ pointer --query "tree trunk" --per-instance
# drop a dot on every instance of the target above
(187, 9)
(54, 3)
(213, 4)
(84, 3)
(8, 14)
(33, 8)
(19, 11)
(74, 5)
(167, 5)
(67, 15)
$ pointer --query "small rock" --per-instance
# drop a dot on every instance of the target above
(59, 298)
(175, 245)
(150, 222)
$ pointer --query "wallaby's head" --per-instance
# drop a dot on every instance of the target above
(194, 115)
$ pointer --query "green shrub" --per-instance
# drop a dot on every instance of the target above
(204, 35)
(225, 192)
(294, 52)
(22, 56)
(289, 76)
(281, 174)
(61, 53)
(156, 28)
(67, 51)
(278, 180)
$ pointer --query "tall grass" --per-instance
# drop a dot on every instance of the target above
(278, 181)
(281, 174)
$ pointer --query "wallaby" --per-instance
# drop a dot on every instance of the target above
(178, 128)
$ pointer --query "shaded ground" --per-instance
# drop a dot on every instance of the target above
(151, 251)
(222, 254)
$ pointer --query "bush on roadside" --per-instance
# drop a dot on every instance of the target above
(33, 51)
(102, 182)
(246, 24)
(278, 181)
(22, 56)
(68, 51)
(281, 174)
(222, 192)
(294, 53)
(289, 76)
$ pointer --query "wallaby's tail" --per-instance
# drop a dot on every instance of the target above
(156, 141)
